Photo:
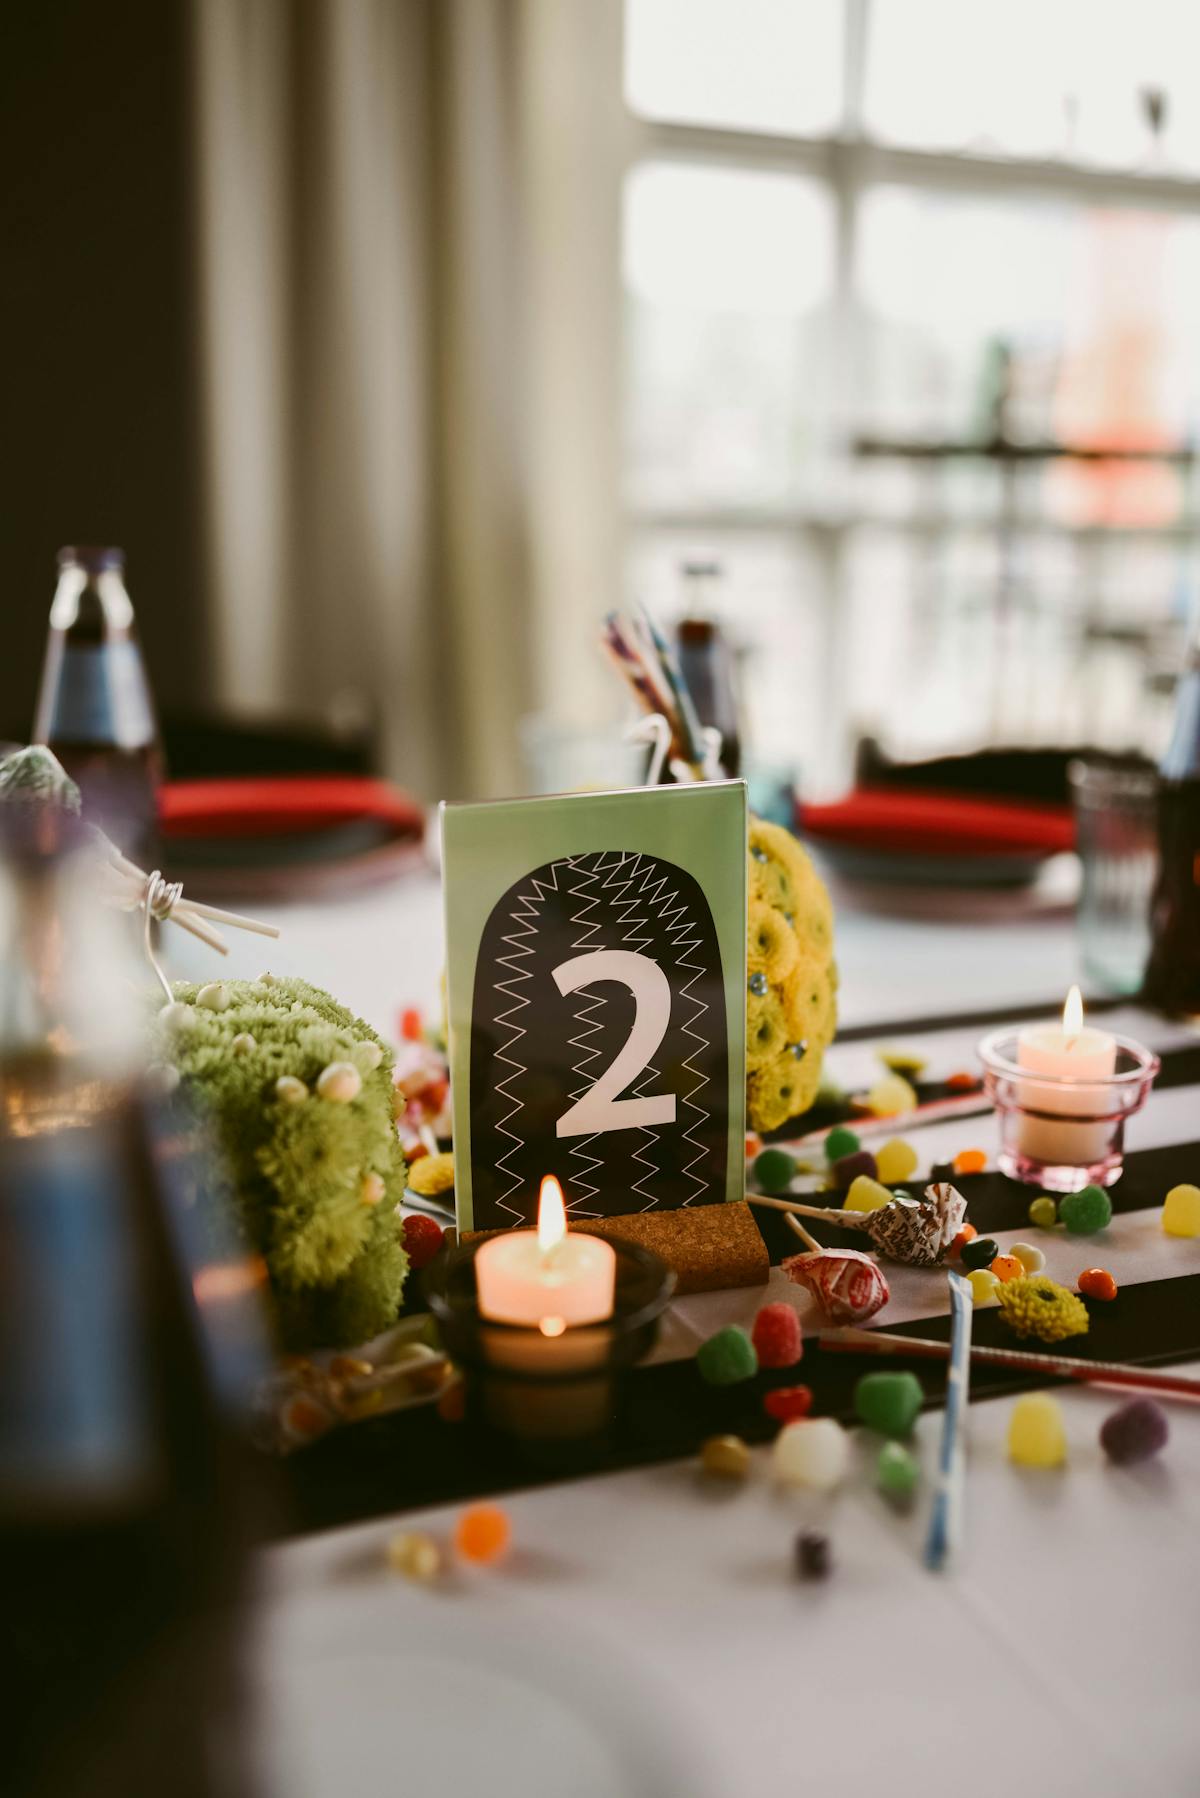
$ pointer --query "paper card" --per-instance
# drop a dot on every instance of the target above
(596, 959)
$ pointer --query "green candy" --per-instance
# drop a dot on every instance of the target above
(896, 1473)
(1044, 1212)
(888, 1402)
(839, 1142)
(1085, 1212)
(727, 1358)
(773, 1170)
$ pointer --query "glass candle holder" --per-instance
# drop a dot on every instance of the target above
(1061, 1133)
(555, 1395)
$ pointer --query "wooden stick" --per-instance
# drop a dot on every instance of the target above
(1067, 1367)
(795, 1224)
(846, 1220)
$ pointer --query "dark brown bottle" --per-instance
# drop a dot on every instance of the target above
(1172, 979)
(706, 662)
(124, 1521)
(94, 706)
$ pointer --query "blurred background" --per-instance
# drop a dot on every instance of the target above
(398, 340)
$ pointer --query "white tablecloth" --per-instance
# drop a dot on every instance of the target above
(647, 1634)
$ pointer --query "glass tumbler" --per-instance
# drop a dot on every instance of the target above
(1115, 837)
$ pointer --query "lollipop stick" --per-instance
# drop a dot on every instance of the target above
(845, 1220)
(794, 1223)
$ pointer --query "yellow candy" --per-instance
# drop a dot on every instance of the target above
(1036, 1437)
(866, 1194)
(891, 1095)
(1181, 1211)
(896, 1160)
(983, 1284)
(415, 1555)
(726, 1456)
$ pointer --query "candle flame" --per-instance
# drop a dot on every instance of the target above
(552, 1215)
(1073, 1015)
(552, 1326)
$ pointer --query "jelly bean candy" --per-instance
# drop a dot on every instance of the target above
(983, 1284)
(1181, 1211)
(1029, 1255)
(888, 1402)
(727, 1357)
(1085, 1212)
(777, 1337)
(773, 1170)
(1036, 1437)
(847, 1168)
(896, 1473)
(895, 1160)
(967, 1234)
(890, 1096)
(813, 1452)
(812, 1556)
(482, 1533)
(980, 1252)
(415, 1555)
(753, 1144)
(1097, 1283)
(787, 1404)
(1044, 1212)
(726, 1456)
(970, 1161)
(961, 1082)
(423, 1239)
(866, 1194)
(899, 1060)
(1007, 1267)
(839, 1142)
(1134, 1432)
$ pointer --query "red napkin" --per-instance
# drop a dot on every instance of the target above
(282, 804)
(951, 824)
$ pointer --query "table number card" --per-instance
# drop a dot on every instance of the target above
(596, 957)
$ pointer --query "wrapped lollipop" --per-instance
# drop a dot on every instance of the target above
(915, 1231)
(849, 1286)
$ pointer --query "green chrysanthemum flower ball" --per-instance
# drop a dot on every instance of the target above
(299, 1092)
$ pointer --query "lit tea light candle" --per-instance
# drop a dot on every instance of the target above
(546, 1278)
(1073, 1129)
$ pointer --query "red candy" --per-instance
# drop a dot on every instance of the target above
(777, 1337)
(422, 1240)
(788, 1403)
(1097, 1283)
(961, 1082)
(968, 1233)
(411, 1029)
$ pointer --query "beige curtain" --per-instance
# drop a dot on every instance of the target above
(409, 338)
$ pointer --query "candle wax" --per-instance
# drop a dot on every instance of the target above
(1086, 1055)
(520, 1283)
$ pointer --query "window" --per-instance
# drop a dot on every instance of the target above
(881, 258)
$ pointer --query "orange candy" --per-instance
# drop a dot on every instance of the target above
(970, 1161)
(968, 1233)
(482, 1533)
(753, 1144)
(1097, 1283)
(962, 1082)
(1007, 1267)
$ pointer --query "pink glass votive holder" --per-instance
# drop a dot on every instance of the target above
(1060, 1133)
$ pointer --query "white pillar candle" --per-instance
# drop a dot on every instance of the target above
(545, 1277)
(1069, 1051)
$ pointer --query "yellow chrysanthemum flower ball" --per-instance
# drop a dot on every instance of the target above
(791, 1004)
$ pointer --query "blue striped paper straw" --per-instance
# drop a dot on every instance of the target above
(945, 1521)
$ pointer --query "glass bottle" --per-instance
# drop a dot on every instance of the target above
(706, 662)
(1172, 979)
(94, 706)
(122, 1522)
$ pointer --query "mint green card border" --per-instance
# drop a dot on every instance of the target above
(488, 846)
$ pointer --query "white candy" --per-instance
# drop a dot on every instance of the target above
(1029, 1255)
(163, 1077)
(242, 1043)
(177, 1015)
(290, 1089)
(372, 1189)
(367, 1056)
(814, 1451)
(213, 996)
(340, 1081)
